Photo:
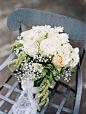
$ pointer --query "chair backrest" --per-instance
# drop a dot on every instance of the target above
(31, 17)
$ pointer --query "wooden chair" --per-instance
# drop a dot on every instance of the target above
(77, 31)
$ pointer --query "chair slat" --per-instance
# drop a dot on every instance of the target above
(9, 87)
(63, 102)
(50, 97)
(2, 112)
(79, 90)
(8, 94)
(12, 55)
(6, 99)
(65, 94)
(64, 109)
(82, 54)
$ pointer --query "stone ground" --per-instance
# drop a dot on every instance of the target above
(72, 8)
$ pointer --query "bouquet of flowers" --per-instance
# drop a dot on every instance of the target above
(44, 53)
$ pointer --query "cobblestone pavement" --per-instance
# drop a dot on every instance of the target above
(72, 8)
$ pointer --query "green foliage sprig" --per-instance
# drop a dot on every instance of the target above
(22, 57)
(45, 84)
(43, 93)
(16, 45)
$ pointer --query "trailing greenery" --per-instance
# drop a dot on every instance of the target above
(22, 57)
(16, 45)
(43, 93)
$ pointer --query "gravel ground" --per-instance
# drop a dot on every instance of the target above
(72, 8)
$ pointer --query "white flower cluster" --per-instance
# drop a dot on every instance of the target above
(45, 45)
(32, 71)
(50, 41)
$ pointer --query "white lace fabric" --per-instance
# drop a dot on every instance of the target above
(23, 106)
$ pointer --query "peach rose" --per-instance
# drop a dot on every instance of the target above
(58, 60)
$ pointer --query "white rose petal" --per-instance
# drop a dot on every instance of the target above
(70, 48)
(30, 49)
(58, 29)
(76, 50)
(28, 36)
(48, 46)
(75, 57)
(63, 38)
(64, 50)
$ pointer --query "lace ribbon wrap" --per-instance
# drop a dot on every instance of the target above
(26, 103)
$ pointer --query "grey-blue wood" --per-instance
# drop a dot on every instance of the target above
(79, 89)
(5, 98)
(62, 103)
(76, 30)
(12, 55)
(63, 109)
(30, 17)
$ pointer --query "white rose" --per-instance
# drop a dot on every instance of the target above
(70, 48)
(28, 36)
(30, 49)
(75, 57)
(29, 42)
(62, 58)
(48, 46)
(63, 49)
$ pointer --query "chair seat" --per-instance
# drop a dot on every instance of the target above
(54, 90)
(11, 89)
(60, 107)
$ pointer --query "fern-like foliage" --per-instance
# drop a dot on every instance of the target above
(43, 92)
(22, 57)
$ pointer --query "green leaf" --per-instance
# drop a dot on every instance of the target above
(72, 59)
(20, 45)
(54, 72)
(51, 77)
(73, 71)
(50, 65)
(46, 36)
(57, 52)
(47, 67)
(59, 69)
(44, 72)
(38, 82)
(16, 45)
